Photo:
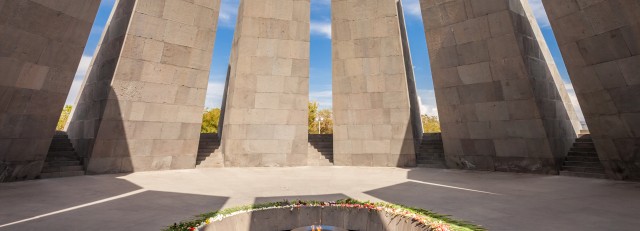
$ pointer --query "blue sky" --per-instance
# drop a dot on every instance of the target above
(320, 68)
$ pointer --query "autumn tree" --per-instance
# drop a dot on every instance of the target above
(313, 112)
(210, 119)
(64, 116)
(430, 124)
(326, 116)
(326, 125)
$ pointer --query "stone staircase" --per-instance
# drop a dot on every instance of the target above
(62, 159)
(209, 154)
(320, 151)
(430, 153)
(582, 160)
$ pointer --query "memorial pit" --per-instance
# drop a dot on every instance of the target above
(341, 215)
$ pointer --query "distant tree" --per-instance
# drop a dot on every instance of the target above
(64, 116)
(313, 112)
(430, 124)
(210, 119)
(326, 125)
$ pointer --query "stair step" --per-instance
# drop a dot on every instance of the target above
(583, 169)
(582, 159)
(420, 159)
(321, 145)
(431, 165)
(584, 140)
(62, 169)
(208, 150)
(430, 155)
(65, 147)
(62, 153)
(584, 174)
(430, 152)
(431, 144)
(324, 149)
(583, 154)
(61, 158)
(61, 174)
(578, 149)
(61, 163)
(582, 164)
(61, 149)
(589, 145)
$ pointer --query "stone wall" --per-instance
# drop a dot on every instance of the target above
(371, 104)
(141, 104)
(600, 43)
(265, 109)
(41, 44)
(501, 102)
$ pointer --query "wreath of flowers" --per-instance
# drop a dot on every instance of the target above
(433, 221)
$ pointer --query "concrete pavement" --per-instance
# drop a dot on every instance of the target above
(153, 200)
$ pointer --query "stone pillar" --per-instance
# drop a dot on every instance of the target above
(41, 43)
(142, 100)
(600, 43)
(501, 101)
(265, 116)
(371, 103)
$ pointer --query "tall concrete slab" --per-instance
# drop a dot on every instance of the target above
(501, 101)
(41, 43)
(265, 109)
(371, 85)
(141, 103)
(600, 43)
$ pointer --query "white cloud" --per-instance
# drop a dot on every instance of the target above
(574, 100)
(215, 91)
(85, 61)
(427, 101)
(324, 98)
(412, 8)
(73, 92)
(321, 28)
(539, 12)
(228, 13)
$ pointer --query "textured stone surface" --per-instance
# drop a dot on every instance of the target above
(371, 103)
(265, 109)
(141, 104)
(600, 43)
(501, 101)
(41, 43)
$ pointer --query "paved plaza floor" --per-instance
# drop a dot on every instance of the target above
(153, 200)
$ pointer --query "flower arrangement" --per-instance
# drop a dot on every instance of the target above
(433, 221)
